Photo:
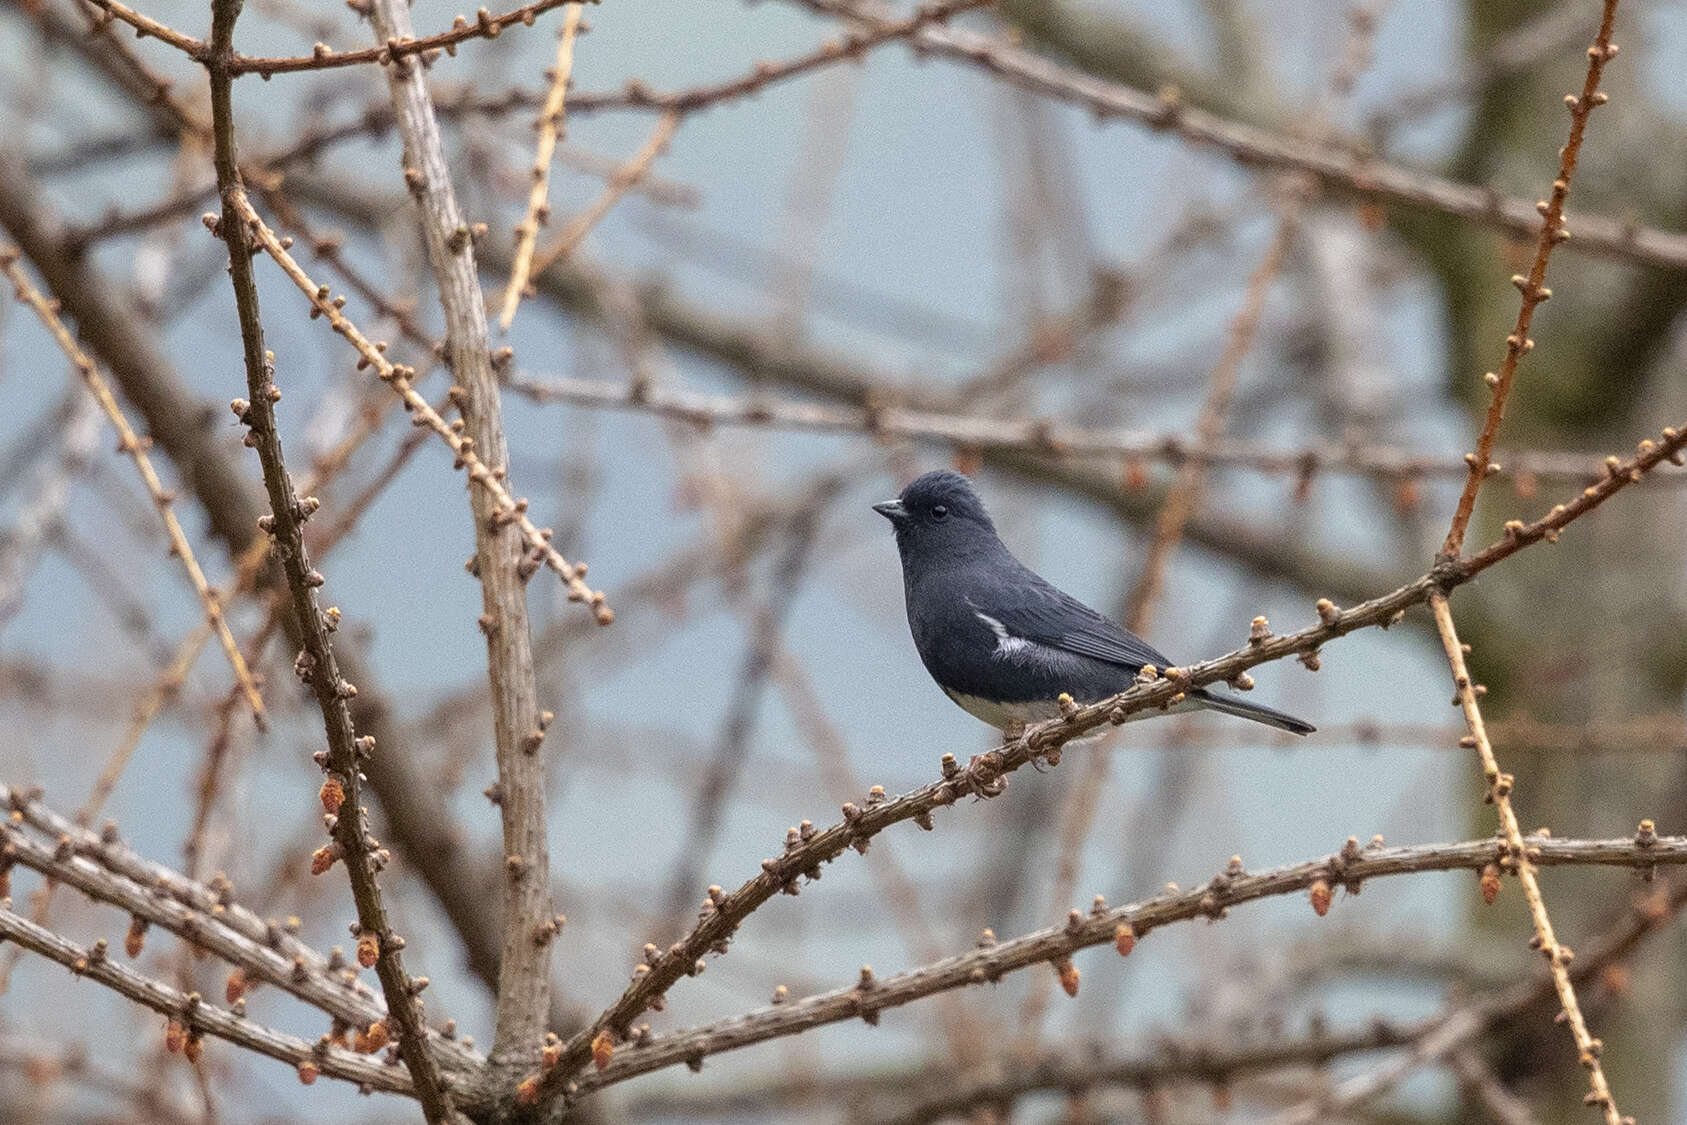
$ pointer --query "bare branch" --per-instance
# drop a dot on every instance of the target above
(1334, 166)
(194, 1014)
(131, 443)
(1121, 927)
(549, 127)
(347, 754)
(1550, 234)
(624, 179)
(103, 869)
(1052, 438)
(502, 562)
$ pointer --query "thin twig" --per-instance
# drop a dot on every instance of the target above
(1551, 231)
(1052, 438)
(347, 755)
(620, 183)
(484, 26)
(1121, 927)
(549, 127)
(136, 447)
(398, 48)
(399, 378)
(1346, 168)
(1520, 857)
(1518, 344)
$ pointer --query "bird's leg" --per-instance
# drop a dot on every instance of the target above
(1013, 730)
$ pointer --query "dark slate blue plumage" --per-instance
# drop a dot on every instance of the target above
(999, 640)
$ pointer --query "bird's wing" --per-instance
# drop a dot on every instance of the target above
(1035, 611)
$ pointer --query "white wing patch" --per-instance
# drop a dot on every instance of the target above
(1008, 646)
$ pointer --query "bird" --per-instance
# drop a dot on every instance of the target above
(1003, 643)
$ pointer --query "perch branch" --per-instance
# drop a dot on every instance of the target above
(985, 775)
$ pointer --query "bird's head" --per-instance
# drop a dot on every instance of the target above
(939, 513)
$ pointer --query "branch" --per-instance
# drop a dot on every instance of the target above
(508, 510)
(1518, 344)
(198, 1017)
(136, 447)
(347, 754)
(623, 180)
(400, 47)
(1551, 232)
(1121, 927)
(1334, 166)
(103, 869)
(145, 26)
(502, 562)
(1050, 437)
(485, 26)
(1518, 857)
(549, 126)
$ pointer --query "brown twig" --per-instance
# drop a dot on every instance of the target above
(1551, 231)
(145, 26)
(136, 447)
(1338, 167)
(622, 181)
(549, 127)
(1052, 438)
(193, 1013)
(484, 26)
(1518, 344)
(1122, 927)
(399, 378)
(347, 754)
(398, 48)
(1520, 858)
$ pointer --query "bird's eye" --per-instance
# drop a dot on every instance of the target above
(940, 512)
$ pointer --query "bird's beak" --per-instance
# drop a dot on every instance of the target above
(891, 510)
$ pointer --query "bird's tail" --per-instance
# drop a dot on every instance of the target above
(1230, 705)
